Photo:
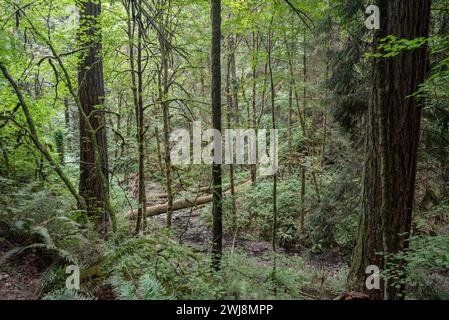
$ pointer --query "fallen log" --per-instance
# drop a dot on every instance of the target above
(183, 204)
(161, 195)
(157, 195)
(177, 205)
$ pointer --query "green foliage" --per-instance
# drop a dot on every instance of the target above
(426, 266)
(176, 267)
(36, 213)
(333, 222)
(37, 218)
(66, 294)
(146, 288)
(391, 46)
(248, 277)
(350, 77)
(257, 212)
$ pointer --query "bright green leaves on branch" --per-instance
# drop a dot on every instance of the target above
(391, 46)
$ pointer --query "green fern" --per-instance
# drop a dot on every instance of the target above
(147, 288)
(61, 253)
(151, 289)
(66, 294)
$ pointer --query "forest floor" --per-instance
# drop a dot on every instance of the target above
(190, 230)
(20, 278)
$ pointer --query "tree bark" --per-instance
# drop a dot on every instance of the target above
(393, 134)
(217, 227)
(164, 88)
(230, 71)
(255, 48)
(135, 21)
(93, 187)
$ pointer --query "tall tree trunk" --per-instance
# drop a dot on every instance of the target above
(302, 116)
(164, 87)
(217, 228)
(233, 80)
(93, 152)
(275, 177)
(135, 21)
(393, 134)
(231, 105)
(288, 47)
(293, 93)
(255, 48)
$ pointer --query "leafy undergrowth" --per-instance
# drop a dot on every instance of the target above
(157, 267)
(41, 236)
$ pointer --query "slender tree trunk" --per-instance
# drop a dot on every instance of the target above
(164, 37)
(275, 178)
(230, 107)
(301, 197)
(217, 228)
(127, 160)
(233, 80)
(326, 103)
(304, 108)
(68, 125)
(255, 49)
(290, 101)
(273, 120)
(393, 134)
(135, 21)
(159, 152)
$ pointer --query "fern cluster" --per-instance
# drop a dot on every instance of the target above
(145, 288)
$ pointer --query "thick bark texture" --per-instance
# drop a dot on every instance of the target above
(93, 152)
(393, 134)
